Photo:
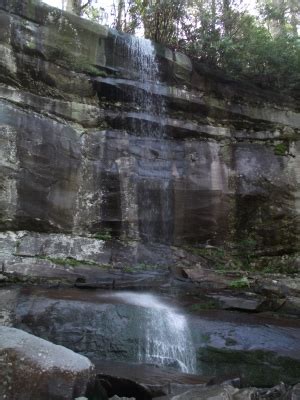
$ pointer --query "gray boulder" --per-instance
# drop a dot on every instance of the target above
(32, 368)
(228, 392)
(295, 393)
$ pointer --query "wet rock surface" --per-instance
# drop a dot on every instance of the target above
(260, 350)
(82, 153)
(158, 381)
(101, 189)
(227, 392)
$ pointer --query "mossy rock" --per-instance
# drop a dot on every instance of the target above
(281, 149)
(256, 368)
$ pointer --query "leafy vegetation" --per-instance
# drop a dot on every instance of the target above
(239, 283)
(261, 45)
(221, 258)
(103, 235)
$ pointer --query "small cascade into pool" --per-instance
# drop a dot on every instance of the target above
(167, 339)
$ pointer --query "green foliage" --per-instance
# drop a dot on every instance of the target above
(249, 51)
(281, 149)
(245, 249)
(264, 48)
(160, 19)
(286, 264)
(103, 235)
(224, 35)
(240, 283)
(221, 258)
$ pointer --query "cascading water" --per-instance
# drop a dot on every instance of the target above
(153, 190)
(166, 338)
(142, 60)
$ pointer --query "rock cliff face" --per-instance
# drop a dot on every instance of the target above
(103, 134)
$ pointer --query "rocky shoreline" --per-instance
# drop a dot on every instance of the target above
(246, 350)
(35, 368)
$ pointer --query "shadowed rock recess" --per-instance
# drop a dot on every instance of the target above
(108, 136)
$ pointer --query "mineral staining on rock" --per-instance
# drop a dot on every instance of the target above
(103, 162)
(81, 153)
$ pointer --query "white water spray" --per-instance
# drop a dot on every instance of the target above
(142, 60)
(167, 338)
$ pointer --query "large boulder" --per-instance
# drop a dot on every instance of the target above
(228, 392)
(32, 368)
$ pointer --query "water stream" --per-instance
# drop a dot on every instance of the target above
(142, 56)
(154, 191)
(167, 339)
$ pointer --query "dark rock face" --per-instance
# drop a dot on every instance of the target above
(93, 141)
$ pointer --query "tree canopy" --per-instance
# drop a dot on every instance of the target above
(262, 46)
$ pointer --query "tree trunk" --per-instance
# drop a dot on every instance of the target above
(76, 7)
(226, 15)
(121, 6)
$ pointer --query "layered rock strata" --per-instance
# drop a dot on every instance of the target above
(104, 135)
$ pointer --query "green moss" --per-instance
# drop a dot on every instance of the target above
(239, 283)
(128, 269)
(146, 267)
(103, 235)
(242, 256)
(286, 264)
(140, 267)
(221, 258)
(82, 63)
(281, 149)
(68, 261)
(208, 305)
(205, 337)
(258, 368)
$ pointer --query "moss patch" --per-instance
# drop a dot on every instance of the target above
(239, 283)
(281, 149)
(103, 235)
(69, 261)
(257, 368)
(208, 305)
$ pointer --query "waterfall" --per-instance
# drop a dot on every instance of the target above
(142, 60)
(167, 339)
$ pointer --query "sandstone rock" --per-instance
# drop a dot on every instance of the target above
(115, 397)
(3, 278)
(245, 302)
(206, 278)
(79, 155)
(291, 306)
(214, 392)
(227, 392)
(8, 301)
(32, 368)
(295, 393)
